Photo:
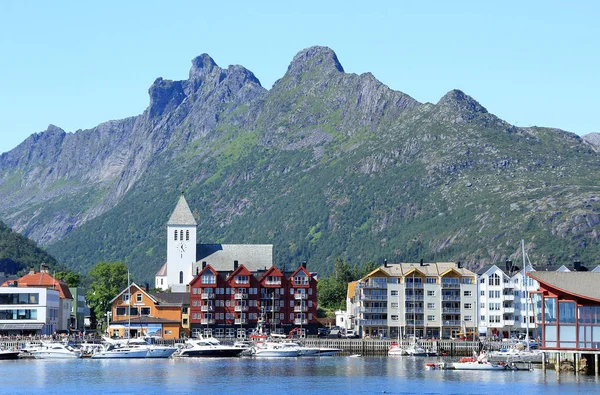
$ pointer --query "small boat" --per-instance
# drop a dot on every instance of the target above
(416, 350)
(328, 351)
(275, 350)
(208, 347)
(479, 363)
(396, 350)
(110, 351)
(9, 354)
(53, 350)
(355, 356)
(152, 350)
(435, 366)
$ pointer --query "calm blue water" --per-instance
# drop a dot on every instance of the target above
(326, 375)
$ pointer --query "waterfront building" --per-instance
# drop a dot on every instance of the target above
(504, 308)
(232, 301)
(433, 300)
(567, 310)
(44, 279)
(186, 258)
(79, 309)
(138, 312)
(29, 310)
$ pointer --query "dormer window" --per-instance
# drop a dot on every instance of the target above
(301, 279)
(242, 279)
(272, 280)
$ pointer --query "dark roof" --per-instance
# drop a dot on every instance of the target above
(583, 284)
(175, 298)
(222, 256)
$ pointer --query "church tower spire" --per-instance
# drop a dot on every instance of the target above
(181, 249)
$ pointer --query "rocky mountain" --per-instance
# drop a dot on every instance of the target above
(324, 164)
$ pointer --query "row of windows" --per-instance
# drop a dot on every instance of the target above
(23, 314)
(133, 311)
(187, 235)
(20, 298)
(138, 298)
(431, 318)
(249, 303)
(250, 291)
(250, 316)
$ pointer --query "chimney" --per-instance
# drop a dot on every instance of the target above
(203, 265)
(304, 264)
(577, 266)
(235, 265)
(385, 263)
(422, 262)
(458, 264)
(44, 268)
(508, 267)
(32, 271)
(147, 287)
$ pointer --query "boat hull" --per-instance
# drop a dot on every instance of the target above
(212, 353)
(9, 354)
(276, 353)
(477, 366)
(120, 354)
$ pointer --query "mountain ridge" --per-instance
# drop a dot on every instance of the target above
(368, 166)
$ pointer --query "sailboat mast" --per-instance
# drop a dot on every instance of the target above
(128, 306)
(526, 296)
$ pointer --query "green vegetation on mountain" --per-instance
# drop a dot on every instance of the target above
(326, 164)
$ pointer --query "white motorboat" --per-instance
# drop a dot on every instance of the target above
(152, 350)
(479, 363)
(416, 350)
(275, 350)
(54, 351)
(328, 351)
(396, 350)
(208, 347)
(110, 351)
(9, 354)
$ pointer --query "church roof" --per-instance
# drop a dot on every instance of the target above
(163, 270)
(182, 215)
(222, 256)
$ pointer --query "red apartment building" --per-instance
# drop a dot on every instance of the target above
(232, 303)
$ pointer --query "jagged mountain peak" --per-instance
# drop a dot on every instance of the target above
(201, 66)
(312, 58)
(456, 106)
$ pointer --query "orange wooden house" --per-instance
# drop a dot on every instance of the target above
(137, 312)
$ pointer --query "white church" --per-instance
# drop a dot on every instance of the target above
(186, 258)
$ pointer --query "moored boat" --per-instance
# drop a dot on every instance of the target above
(208, 347)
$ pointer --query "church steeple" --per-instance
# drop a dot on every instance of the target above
(182, 215)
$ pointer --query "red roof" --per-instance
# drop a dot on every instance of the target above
(44, 280)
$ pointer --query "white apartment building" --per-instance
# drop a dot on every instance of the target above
(30, 310)
(430, 300)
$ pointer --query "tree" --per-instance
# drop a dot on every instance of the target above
(71, 278)
(108, 280)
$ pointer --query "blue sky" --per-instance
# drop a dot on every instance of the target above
(76, 64)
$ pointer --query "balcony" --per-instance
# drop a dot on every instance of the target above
(241, 296)
(451, 298)
(509, 285)
(241, 308)
(414, 322)
(509, 309)
(208, 295)
(300, 321)
(300, 296)
(450, 285)
(269, 296)
(508, 296)
(372, 286)
(509, 322)
(373, 322)
(270, 309)
(207, 321)
(374, 297)
(300, 309)
(414, 310)
(451, 310)
(241, 321)
(207, 308)
(373, 310)
(413, 297)
(451, 323)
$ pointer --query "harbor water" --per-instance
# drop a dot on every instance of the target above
(324, 375)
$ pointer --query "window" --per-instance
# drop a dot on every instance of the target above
(430, 293)
(181, 234)
(175, 236)
(145, 310)
(431, 305)
(301, 279)
(431, 280)
(138, 297)
(394, 305)
(209, 278)
(431, 318)
(126, 298)
(121, 311)
(494, 279)
(271, 280)
(482, 293)
(394, 317)
(468, 280)
(241, 279)
(180, 277)
(468, 306)
(467, 293)
(187, 235)
(394, 293)
(468, 318)
(482, 318)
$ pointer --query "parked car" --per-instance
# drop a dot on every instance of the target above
(350, 334)
(322, 332)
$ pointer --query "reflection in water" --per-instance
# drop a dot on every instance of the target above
(332, 375)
